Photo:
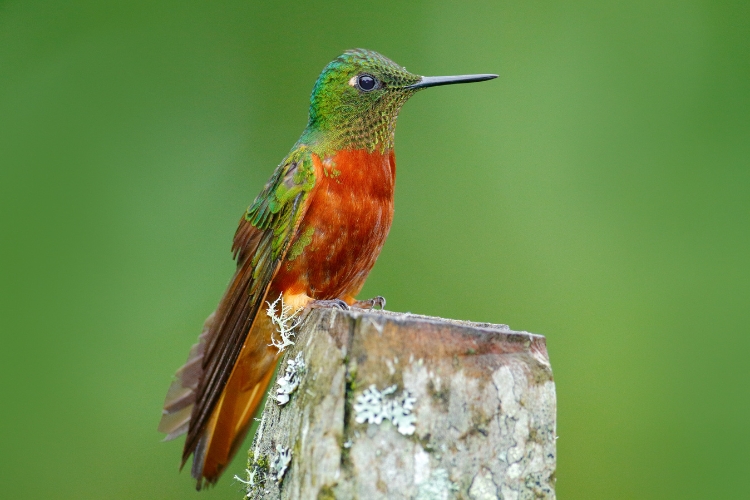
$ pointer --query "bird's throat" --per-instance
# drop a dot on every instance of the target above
(371, 130)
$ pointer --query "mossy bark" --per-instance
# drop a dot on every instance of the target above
(485, 412)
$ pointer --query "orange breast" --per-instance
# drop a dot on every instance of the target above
(346, 224)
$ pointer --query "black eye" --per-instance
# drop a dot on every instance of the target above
(366, 82)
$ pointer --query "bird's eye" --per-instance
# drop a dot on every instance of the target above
(366, 82)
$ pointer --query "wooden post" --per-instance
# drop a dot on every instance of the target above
(405, 406)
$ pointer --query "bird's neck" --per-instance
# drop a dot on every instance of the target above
(374, 134)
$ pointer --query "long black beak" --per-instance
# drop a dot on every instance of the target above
(434, 81)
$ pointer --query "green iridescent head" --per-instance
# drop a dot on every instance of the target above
(357, 98)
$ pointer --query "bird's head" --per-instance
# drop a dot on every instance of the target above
(358, 95)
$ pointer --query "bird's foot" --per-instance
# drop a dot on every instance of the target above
(375, 302)
(335, 303)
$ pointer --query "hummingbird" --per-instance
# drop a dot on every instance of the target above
(310, 237)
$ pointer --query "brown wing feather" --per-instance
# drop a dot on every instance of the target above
(178, 405)
(181, 396)
(239, 400)
(234, 317)
(260, 245)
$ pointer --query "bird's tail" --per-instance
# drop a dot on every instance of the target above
(233, 413)
(178, 405)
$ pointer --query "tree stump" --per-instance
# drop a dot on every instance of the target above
(404, 406)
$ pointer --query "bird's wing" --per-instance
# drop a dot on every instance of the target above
(260, 243)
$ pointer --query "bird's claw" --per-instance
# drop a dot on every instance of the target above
(375, 302)
(335, 303)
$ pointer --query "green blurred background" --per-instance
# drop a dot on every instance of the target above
(596, 193)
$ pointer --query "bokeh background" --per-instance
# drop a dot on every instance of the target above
(598, 193)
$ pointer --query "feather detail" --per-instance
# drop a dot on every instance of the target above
(180, 398)
(229, 344)
(240, 399)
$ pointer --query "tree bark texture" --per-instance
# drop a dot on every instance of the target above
(405, 406)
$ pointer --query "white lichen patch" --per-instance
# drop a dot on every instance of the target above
(291, 379)
(257, 464)
(280, 463)
(257, 473)
(286, 319)
(252, 483)
(374, 406)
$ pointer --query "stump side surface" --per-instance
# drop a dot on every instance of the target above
(485, 411)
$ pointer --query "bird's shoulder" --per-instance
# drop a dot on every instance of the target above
(295, 175)
(279, 202)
